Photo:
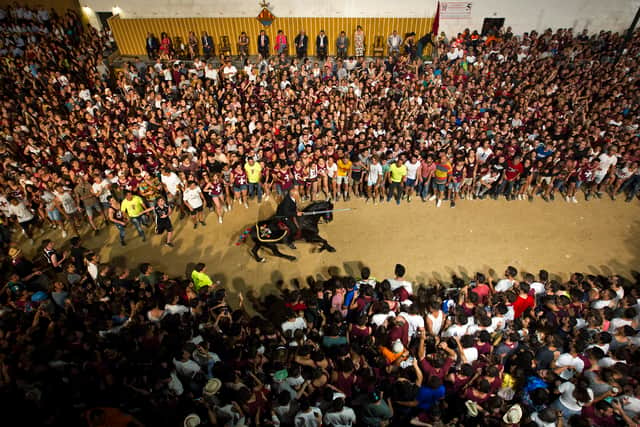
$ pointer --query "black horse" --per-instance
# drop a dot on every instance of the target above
(271, 232)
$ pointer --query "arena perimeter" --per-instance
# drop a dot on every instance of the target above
(597, 237)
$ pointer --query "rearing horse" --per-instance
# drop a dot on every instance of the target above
(272, 232)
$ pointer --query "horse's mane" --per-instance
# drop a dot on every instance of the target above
(318, 206)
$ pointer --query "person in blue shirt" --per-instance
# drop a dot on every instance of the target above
(431, 393)
(543, 151)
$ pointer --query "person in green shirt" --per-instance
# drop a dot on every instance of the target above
(134, 208)
(200, 278)
(397, 176)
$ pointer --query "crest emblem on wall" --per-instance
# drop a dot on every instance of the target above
(265, 17)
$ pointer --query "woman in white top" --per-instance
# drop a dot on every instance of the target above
(435, 319)
(572, 398)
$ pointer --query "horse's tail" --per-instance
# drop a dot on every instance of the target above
(243, 236)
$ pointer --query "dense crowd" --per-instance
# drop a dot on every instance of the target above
(517, 116)
(514, 116)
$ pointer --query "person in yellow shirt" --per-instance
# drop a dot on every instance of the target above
(254, 173)
(343, 174)
(199, 278)
(397, 175)
(134, 208)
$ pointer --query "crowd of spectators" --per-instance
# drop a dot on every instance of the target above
(517, 116)
(514, 116)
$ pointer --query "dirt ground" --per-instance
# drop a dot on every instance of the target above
(598, 237)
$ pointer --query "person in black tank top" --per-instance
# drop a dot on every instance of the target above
(163, 219)
(117, 218)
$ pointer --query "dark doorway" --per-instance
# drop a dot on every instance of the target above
(492, 26)
(104, 16)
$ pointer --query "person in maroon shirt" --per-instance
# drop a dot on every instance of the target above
(511, 177)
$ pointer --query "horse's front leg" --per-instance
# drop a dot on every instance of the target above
(276, 252)
(254, 252)
(315, 238)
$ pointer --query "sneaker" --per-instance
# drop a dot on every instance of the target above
(366, 200)
(266, 198)
(613, 197)
(567, 199)
(587, 196)
(64, 234)
(204, 224)
(599, 194)
(545, 198)
(169, 244)
(123, 243)
(453, 204)
(438, 203)
(409, 199)
(246, 205)
(375, 202)
(574, 200)
(96, 231)
(432, 198)
(398, 202)
(530, 198)
(195, 225)
(144, 238)
(628, 199)
(552, 196)
(220, 220)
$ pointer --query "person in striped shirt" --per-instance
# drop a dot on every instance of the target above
(441, 177)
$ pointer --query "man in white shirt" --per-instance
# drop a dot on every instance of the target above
(211, 73)
(607, 166)
(413, 165)
(229, 71)
(173, 186)
(414, 320)
(185, 366)
(509, 281)
(400, 283)
(339, 415)
(23, 215)
(194, 201)
(393, 43)
(293, 323)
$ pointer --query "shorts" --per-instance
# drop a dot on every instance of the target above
(174, 198)
(467, 181)
(163, 225)
(240, 188)
(196, 210)
(91, 209)
(599, 178)
(342, 180)
(355, 177)
(26, 224)
(372, 183)
(54, 215)
(410, 183)
(545, 179)
(579, 184)
(440, 186)
(455, 186)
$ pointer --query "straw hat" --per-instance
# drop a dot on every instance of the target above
(212, 387)
(14, 252)
(513, 415)
(472, 408)
(192, 420)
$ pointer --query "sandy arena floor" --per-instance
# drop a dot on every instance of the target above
(597, 237)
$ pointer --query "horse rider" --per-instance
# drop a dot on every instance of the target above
(288, 212)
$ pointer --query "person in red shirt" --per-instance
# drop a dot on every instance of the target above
(524, 301)
(511, 177)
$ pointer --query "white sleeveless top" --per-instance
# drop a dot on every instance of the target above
(436, 322)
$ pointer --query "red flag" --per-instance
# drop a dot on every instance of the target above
(436, 21)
